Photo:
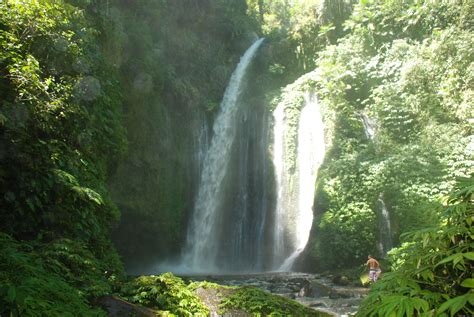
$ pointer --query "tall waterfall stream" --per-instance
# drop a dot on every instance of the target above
(237, 226)
(384, 243)
(203, 242)
(385, 232)
(296, 184)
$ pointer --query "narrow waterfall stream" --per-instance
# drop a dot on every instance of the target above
(369, 126)
(384, 243)
(385, 228)
(295, 179)
(204, 240)
(278, 162)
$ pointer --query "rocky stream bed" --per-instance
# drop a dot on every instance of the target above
(323, 293)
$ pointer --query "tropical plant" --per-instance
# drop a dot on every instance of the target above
(165, 292)
(432, 270)
(28, 287)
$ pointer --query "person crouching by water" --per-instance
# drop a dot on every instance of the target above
(374, 269)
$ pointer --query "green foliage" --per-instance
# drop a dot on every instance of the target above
(207, 285)
(261, 303)
(30, 288)
(380, 22)
(62, 125)
(165, 292)
(406, 65)
(292, 100)
(299, 30)
(350, 231)
(432, 271)
(79, 267)
(60, 138)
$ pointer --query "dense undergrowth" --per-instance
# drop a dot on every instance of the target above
(53, 280)
(165, 292)
(405, 69)
(60, 136)
(432, 270)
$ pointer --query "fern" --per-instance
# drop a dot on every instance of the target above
(165, 292)
(29, 288)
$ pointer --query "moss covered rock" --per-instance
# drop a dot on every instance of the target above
(169, 294)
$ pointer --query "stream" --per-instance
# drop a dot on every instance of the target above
(313, 290)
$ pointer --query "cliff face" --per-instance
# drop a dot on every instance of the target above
(175, 59)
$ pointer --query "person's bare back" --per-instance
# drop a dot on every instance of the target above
(373, 264)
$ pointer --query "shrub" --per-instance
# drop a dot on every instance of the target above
(29, 288)
(165, 292)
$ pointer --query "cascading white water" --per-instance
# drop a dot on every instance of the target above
(295, 187)
(311, 150)
(262, 219)
(278, 162)
(385, 239)
(202, 239)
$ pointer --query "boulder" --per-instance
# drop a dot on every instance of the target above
(318, 289)
(305, 289)
(117, 307)
(341, 280)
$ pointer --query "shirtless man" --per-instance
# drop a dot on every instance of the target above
(374, 268)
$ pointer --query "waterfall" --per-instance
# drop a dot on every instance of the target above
(369, 126)
(204, 240)
(385, 233)
(278, 162)
(262, 183)
(384, 243)
(244, 202)
(295, 180)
